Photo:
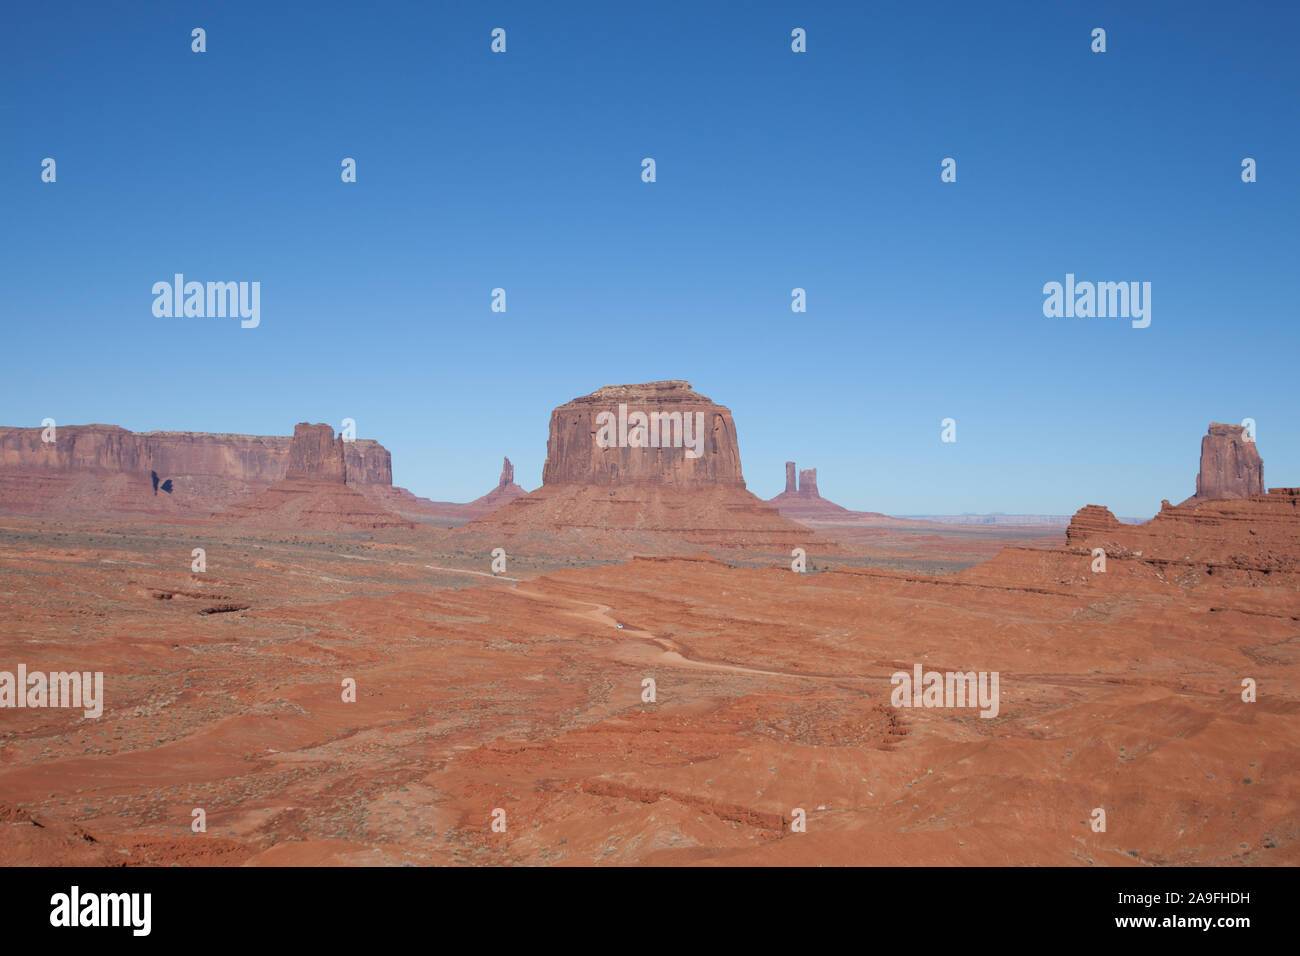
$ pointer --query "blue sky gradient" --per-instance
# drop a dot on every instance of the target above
(775, 170)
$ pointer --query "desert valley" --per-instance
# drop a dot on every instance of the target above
(639, 662)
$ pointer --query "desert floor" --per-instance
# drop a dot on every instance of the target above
(522, 693)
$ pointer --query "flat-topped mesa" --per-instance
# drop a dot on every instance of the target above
(640, 469)
(108, 448)
(316, 454)
(104, 469)
(1230, 465)
(808, 483)
(253, 459)
(659, 433)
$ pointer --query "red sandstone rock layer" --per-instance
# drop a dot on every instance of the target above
(311, 504)
(805, 503)
(314, 494)
(639, 518)
(1256, 534)
(656, 450)
(1233, 542)
(632, 497)
(368, 463)
(104, 469)
(1230, 465)
(316, 454)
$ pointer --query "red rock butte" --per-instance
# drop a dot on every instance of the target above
(315, 492)
(802, 502)
(1258, 534)
(1230, 465)
(105, 471)
(1249, 541)
(573, 456)
(636, 494)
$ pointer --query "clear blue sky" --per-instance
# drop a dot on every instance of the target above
(775, 170)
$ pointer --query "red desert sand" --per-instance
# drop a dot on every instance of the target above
(645, 682)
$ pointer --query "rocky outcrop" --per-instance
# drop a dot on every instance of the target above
(805, 503)
(1260, 533)
(611, 488)
(806, 488)
(658, 433)
(107, 469)
(247, 458)
(1231, 554)
(505, 492)
(369, 464)
(315, 493)
(1224, 529)
(1230, 465)
(108, 448)
(316, 454)
(1089, 523)
(447, 513)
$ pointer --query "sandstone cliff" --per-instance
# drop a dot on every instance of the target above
(314, 493)
(1258, 533)
(1227, 535)
(106, 469)
(1230, 465)
(657, 450)
(110, 448)
(1236, 539)
(369, 464)
(316, 454)
(631, 496)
